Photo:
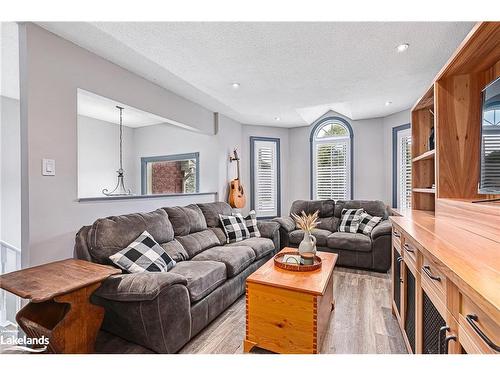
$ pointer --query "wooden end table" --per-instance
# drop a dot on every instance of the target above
(286, 311)
(59, 306)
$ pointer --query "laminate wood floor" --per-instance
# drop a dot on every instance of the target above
(362, 322)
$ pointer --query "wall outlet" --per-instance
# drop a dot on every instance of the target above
(48, 167)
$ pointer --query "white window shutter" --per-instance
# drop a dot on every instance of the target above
(404, 160)
(490, 162)
(265, 178)
(332, 169)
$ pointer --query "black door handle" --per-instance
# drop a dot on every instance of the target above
(407, 248)
(446, 329)
(472, 319)
(427, 271)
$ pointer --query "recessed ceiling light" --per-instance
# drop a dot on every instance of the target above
(402, 47)
(235, 85)
(388, 103)
(277, 118)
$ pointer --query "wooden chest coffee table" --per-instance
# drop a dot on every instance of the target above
(286, 311)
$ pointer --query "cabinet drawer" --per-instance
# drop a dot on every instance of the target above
(434, 276)
(410, 250)
(396, 237)
(478, 332)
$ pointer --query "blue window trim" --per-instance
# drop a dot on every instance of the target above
(252, 174)
(145, 160)
(395, 131)
(311, 144)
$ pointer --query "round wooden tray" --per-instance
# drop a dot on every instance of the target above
(278, 262)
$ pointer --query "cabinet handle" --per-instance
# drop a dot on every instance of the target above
(444, 328)
(447, 342)
(408, 248)
(427, 271)
(472, 319)
(396, 234)
(399, 260)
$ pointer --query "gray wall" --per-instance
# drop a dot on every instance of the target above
(98, 157)
(49, 82)
(369, 167)
(10, 164)
(51, 214)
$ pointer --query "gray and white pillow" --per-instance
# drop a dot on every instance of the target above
(350, 219)
(367, 222)
(234, 227)
(143, 255)
(251, 223)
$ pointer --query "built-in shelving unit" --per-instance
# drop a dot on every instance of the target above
(452, 106)
(424, 190)
(426, 155)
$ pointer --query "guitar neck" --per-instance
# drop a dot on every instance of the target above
(238, 169)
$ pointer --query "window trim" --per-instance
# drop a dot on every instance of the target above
(175, 157)
(395, 131)
(312, 142)
(254, 139)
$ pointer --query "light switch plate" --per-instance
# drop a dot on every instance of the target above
(48, 167)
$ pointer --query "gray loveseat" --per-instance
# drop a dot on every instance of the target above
(163, 311)
(354, 249)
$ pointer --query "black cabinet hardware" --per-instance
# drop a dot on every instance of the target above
(472, 319)
(408, 248)
(427, 271)
(397, 235)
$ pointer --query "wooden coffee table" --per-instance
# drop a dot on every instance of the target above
(286, 311)
(60, 308)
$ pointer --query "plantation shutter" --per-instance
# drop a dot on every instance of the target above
(490, 160)
(331, 168)
(404, 149)
(265, 178)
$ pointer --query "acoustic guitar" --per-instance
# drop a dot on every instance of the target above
(237, 197)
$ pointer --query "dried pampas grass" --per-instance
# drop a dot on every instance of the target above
(306, 222)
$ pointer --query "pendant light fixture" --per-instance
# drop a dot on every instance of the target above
(119, 189)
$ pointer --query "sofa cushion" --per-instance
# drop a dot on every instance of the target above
(325, 209)
(202, 277)
(367, 222)
(195, 243)
(186, 220)
(349, 241)
(260, 246)
(211, 211)
(374, 208)
(175, 250)
(297, 235)
(109, 235)
(251, 224)
(235, 257)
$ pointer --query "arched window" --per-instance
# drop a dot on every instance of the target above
(331, 157)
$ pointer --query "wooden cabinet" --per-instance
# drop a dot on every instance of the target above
(439, 311)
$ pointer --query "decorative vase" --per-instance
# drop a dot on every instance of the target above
(308, 244)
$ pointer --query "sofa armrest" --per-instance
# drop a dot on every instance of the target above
(267, 229)
(144, 286)
(384, 228)
(286, 223)
(270, 229)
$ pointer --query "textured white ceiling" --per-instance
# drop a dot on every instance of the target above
(294, 70)
(101, 108)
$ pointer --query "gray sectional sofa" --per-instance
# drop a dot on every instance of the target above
(163, 311)
(354, 249)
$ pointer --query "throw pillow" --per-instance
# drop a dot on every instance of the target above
(143, 255)
(349, 221)
(367, 222)
(251, 223)
(234, 227)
